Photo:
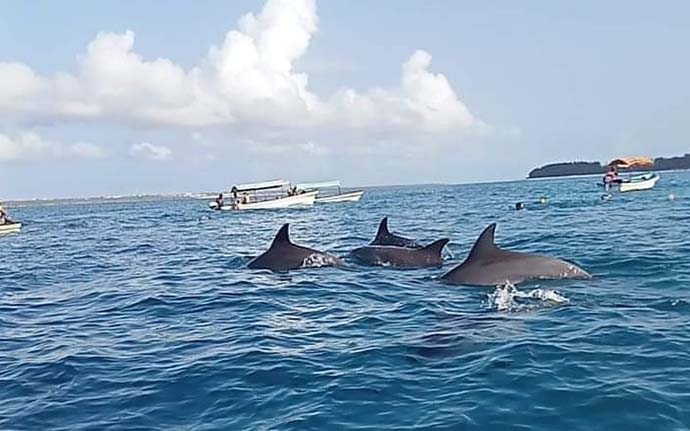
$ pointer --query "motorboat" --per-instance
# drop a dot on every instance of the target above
(265, 195)
(330, 192)
(639, 182)
(632, 183)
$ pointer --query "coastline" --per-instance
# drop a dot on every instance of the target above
(586, 168)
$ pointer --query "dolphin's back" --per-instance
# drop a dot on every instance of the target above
(512, 268)
(281, 258)
(283, 255)
(488, 265)
(385, 237)
(403, 257)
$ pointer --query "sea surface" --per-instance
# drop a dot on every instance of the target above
(143, 316)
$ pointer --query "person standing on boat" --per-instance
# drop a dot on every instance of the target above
(612, 175)
(4, 218)
(220, 201)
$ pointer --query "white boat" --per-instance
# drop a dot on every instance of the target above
(306, 199)
(10, 228)
(265, 195)
(329, 196)
(637, 183)
(631, 183)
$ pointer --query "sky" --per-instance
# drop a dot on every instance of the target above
(112, 98)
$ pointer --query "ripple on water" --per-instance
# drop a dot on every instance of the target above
(143, 316)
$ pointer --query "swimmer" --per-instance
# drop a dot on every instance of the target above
(519, 206)
(543, 200)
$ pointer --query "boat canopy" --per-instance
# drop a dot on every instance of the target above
(260, 186)
(632, 162)
(319, 185)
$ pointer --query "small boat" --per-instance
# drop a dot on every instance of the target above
(265, 195)
(10, 228)
(330, 192)
(632, 183)
(639, 182)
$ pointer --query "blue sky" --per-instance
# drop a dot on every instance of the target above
(100, 98)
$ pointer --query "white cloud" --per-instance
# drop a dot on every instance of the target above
(248, 81)
(424, 102)
(146, 150)
(31, 146)
(87, 150)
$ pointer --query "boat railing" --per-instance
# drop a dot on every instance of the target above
(325, 188)
(263, 194)
(250, 196)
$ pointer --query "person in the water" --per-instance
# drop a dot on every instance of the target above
(519, 206)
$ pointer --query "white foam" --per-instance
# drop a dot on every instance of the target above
(317, 260)
(549, 296)
(507, 297)
(503, 298)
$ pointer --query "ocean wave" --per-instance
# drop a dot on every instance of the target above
(143, 315)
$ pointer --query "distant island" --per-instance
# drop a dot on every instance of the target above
(589, 168)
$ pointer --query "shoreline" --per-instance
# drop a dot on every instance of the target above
(583, 168)
(210, 195)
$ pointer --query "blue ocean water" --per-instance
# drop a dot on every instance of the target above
(142, 316)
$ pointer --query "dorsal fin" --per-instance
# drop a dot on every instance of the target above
(282, 237)
(383, 229)
(485, 244)
(436, 247)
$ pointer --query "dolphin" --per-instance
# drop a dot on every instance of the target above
(384, 237)
(283, 255)
(402, 257)
(488, 265)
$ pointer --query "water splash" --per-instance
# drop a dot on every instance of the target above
(318, 260)
(507, 297)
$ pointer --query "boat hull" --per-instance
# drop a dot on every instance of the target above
(304, 199)
(343, 197)
(639, 185)
(10, 228)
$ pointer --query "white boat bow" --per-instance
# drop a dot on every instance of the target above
(343, 197)
(10, 228)
(325, 196)
(644, 182)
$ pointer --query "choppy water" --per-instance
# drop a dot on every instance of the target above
(137, 316)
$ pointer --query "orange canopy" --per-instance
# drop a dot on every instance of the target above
(632, 162)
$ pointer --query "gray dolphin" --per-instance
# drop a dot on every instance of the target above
(402, 257)
(488, 265)
(385, 237)
(283, 255)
